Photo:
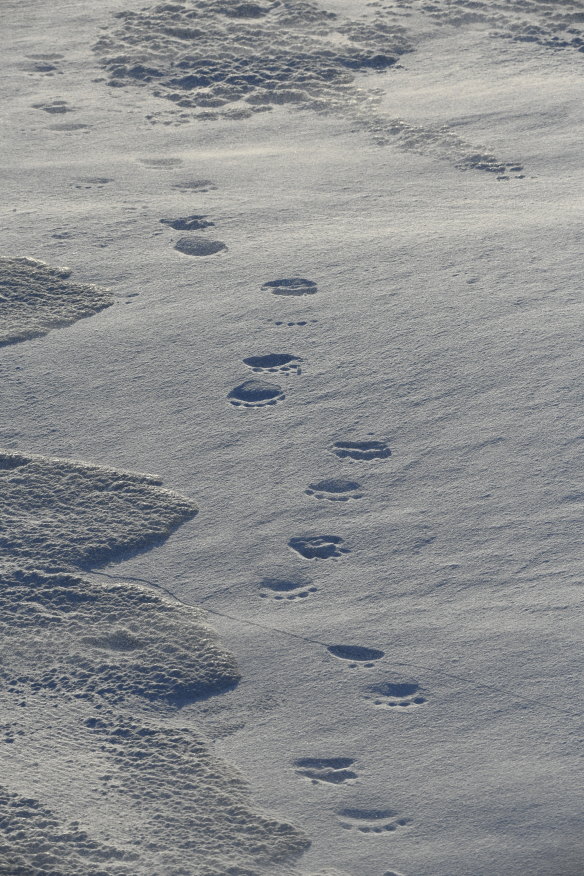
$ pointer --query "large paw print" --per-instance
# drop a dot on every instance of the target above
(318, 547)
(395, 695)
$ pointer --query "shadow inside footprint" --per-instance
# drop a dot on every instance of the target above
(274, 362)
(291, 286)
(395, 695)
(356, 654)
(335, 490)
(256, 394)
(319, 547)
(361, 450)
(199, 246)
(330, 770)
(196, 185)
(188, 223)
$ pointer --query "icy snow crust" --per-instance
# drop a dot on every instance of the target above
(94, 650)
(105, 647)
(172, 807)
(35, 298)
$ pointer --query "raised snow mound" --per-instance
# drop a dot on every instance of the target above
(116, 641)
(34, 841)
(176, 807)
(59, 514)
(35, 298)
(234, 59)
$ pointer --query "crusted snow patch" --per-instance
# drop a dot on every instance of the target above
(551, 25)
(78, 661)
(34, 841)
(59, 514)
(76, 658)
(206, 826)
(108, 641)
(158, 801)
(212, 61)
(200, 55)
(35, 298)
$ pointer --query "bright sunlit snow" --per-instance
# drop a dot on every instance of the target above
(330, 260)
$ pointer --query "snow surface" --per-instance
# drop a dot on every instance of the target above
(399, 280)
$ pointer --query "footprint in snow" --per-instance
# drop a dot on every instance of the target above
(55, 107)
(335, 490)
(291, 286)
(397, 695)
(70, 126)
(160, 162)
(326, 770)
(256, 394)
(188, 223)
(372, 821)
(286, 589)
(196, 185)
(274, 363)
(356, 654)
(199, 246)
(361, 450)
(299, 323)
(92, 182)
(318, 547)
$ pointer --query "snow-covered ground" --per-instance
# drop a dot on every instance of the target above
(389, 527)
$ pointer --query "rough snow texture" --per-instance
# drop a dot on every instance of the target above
(222, 59)
(172, 807)
(111, 641)
(35, 841)
(59, 514)
(81, 652)
(218, 56)
(35, 298)
(553, 25)
(204, 800)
